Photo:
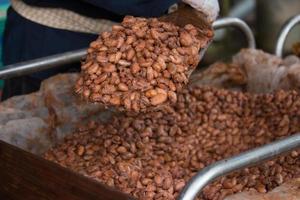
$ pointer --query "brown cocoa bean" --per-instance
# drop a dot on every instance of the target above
(124, 63)
(130, 54)
(123, 87)
(150, 74)
(151, 93)
(101, 78)
(137, 54)
(179, 185)
(86, 93)
(167, 183)
(158, 99)
(135, 68)
(93, 69)
(102, 59)
(115, 101)
(80, 150)
(185, 39)
(158, 151)
(158, 180)
(109, 68)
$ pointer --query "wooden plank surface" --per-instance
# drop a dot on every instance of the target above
(27, 176)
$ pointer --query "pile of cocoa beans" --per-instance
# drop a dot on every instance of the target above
(152, 155)
(141, 63)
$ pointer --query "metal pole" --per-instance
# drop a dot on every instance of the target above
(284, 33)
(236, 22)
(246, 159)
(58, 60)
(41, 64)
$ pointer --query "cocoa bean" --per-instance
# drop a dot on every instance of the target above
(139, 50)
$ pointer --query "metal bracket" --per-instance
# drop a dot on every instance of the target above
(287, 27)
(58, 60)
(246, 159)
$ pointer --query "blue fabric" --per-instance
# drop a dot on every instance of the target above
(146, 8)
(112, 8)
(26, 40)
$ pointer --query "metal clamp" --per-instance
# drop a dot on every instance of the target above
(287, 27)
(246, 159)
(236, 22)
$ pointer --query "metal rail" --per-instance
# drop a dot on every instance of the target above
(58, 60)
(246, 159)
(40, 64)
(236, 22)
(287, 27)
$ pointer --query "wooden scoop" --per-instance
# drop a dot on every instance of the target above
(184, 15)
